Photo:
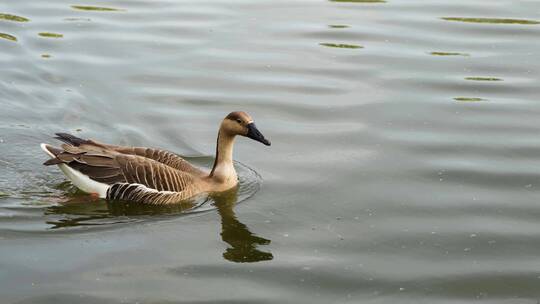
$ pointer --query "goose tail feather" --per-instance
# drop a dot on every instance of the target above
(52, 152)
(71, 139)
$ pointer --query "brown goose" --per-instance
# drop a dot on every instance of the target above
(149, 175)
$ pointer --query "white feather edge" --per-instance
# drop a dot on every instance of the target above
(80, 180)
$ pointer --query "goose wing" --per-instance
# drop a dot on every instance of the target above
(162, 156)
(153, 174)
(110, 167)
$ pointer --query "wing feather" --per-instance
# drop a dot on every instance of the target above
(143, 194)
(154, 175)
(162, 156)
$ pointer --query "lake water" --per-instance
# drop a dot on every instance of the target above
(404, 166)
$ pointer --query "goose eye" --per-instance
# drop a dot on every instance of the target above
(239, 121)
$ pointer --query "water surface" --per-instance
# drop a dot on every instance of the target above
(403, 166)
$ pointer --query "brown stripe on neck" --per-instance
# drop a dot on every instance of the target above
(217, 155)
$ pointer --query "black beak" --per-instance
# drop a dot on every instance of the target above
(255, 134)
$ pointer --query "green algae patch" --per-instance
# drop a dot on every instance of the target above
(15, 18)
(50, 35)
(492, 20)
(359, 1)
(483, 79)
(338, 26)
(342, 45)
(45, 56)
(468, 99)
(8, 37)
(449, 54)
(95, 8)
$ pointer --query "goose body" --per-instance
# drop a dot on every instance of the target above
(147, 175)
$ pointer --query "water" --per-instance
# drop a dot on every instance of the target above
(403, 166)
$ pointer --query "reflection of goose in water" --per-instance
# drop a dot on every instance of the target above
(88, 211)
(78, 209)
(242, 241)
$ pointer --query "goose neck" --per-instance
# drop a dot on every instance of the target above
(223, 168)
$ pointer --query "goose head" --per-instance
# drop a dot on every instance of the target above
(240, 123)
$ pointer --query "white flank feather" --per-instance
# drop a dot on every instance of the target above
(80, 180)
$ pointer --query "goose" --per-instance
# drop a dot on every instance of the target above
(146, 175)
